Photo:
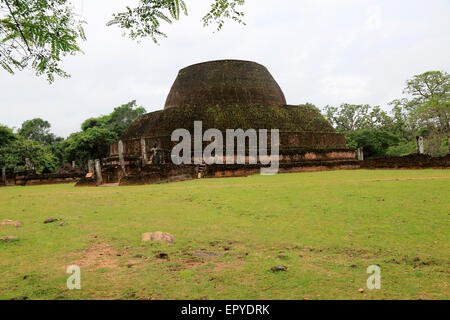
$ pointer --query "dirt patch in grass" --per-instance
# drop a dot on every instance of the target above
(98, 255)
(189, 263)
(222, 266)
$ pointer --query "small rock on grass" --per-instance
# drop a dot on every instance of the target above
(9, 238)
(279, 268)
(62, 224)
(50, 220)
(7, 222)
(158, 236)
(361, 290)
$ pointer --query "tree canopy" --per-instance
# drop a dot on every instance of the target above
(98, 133)
(39, 33)
(118, 120)
(425, 110)
(37, 130)
(430, 99)
(90, 144)
(47, 152)
(14, 154)
(350, 117)
(6, 135)
(145, 19)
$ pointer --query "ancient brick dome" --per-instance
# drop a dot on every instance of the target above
(225, 83)
(223, 95)
(230, 94)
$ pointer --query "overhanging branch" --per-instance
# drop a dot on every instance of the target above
(18, 26)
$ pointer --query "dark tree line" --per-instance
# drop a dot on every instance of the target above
(423, 111)
(48, 152)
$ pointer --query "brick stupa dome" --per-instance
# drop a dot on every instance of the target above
(225, 83)
(230, 94)
(223, 95)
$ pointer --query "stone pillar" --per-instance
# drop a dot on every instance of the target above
(448, 144)
(420, 146)
(360, 154)
(98, 172)
(4, 175)
(121, 159)
(28, 165)
(144, 151)
(90, 166)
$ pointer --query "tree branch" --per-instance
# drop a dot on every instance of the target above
(18, 26)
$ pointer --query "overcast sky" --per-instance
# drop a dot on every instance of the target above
(326, 52)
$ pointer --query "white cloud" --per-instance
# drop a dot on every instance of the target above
(346, 86)
(374, 20)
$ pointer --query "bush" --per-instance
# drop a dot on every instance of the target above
(403, 149)
(375, 142)
(14, 155)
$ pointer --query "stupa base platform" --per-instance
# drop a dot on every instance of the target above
(319, 160)
(133, 170)
(168, 173)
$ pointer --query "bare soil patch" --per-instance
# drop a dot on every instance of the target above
(98, 255)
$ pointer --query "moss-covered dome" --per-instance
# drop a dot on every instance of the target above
(284, 118)
(231, 94)
(224, 83)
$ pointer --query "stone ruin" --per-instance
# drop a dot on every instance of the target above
(225, 94)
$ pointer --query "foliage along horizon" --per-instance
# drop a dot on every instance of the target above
(48, 152)
(425, 110)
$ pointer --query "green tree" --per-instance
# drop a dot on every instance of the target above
(98, 133)
(123, 116)
(426, 110)
(57, 149)
(14, 155)
(118, 120)
(402, 149)
(93, 143)
(430, 100)
(375, 142)
(350, 117)
(37, 130)
(6, 136)
(368, 127)
(402, 126)
(39, 33)
(145, 19)
(100, 122)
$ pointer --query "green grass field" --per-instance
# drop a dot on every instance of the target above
(326, 227)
